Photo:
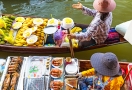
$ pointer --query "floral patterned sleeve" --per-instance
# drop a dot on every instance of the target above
(90, 31)
(89, 72)
(88, 11)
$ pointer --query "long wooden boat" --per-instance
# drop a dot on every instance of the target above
(25, 64)
(53, 50)
(125, 66)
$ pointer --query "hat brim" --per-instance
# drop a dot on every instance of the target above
(110, 8)
(102, 69)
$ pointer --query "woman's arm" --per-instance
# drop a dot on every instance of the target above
(89, 72)
(88, 11)
(90, 30)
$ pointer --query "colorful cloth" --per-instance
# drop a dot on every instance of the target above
(98, 29)
(87, 83)
(115, 84)
(113, 36)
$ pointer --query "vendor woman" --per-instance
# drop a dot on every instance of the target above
(106, 73)
(97, 31)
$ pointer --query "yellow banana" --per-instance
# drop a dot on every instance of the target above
(2, 33)
(2, 23)
(78, 29)
(9, 39)
(66, 39)
(75, 29)
(11, 33)
(18, 44)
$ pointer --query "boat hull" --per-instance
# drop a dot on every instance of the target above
(85, 65)
(52, 50)
(49, 50)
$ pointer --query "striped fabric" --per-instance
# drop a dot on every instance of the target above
(98, 29)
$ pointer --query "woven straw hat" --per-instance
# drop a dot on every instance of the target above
(104, 5)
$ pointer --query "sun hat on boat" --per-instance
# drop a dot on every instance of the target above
(104, 5)
(106, 64)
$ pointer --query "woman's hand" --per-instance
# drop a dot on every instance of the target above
(71, 36)
(79, 75)
(77, 6)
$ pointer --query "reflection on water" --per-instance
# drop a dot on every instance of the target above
(1, 6)
(62, 8)
(36, 2)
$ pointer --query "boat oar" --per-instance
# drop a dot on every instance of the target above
(128, 73)
(123, 86)
(71, 47)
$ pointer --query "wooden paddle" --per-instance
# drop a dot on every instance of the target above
(124, 86)
(71, 47)
(127, 74)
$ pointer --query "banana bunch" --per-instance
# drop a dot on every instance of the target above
(74, 42)
(75, 29)
(8, 19)
(2, 23)
(9, 38)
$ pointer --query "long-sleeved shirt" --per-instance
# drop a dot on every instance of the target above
(98, 29)
(115, 84)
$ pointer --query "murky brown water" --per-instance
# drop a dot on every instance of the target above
(61, 9)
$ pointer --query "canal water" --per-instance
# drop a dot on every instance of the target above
(62, 8)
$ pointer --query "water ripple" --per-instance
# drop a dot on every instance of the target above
(63, 8)
(2, 6)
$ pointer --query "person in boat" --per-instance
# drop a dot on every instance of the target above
(106, 73)
(97, 30)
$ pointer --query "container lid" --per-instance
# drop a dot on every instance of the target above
(38, 21)
(50, 29)
(17, 25)
(53, 22)
(32, 39)
(71, 69)
(67, 23)
(27, 33)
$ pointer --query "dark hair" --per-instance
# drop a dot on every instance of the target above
(103, 16)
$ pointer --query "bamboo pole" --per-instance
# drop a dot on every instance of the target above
(124, 87)
(127, 74)
(71, 47)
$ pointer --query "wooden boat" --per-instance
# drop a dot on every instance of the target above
(53, 50)
(85, 65)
